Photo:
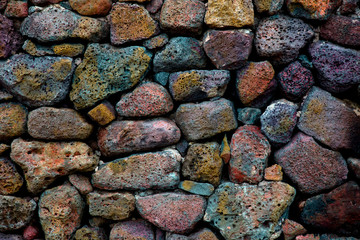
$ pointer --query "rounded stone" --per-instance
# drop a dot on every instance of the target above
(10, 39)
(16, 9)
(91, 7)
(10, 179)
(90, 233)
(68, 49)
(132, 230)
(12, 120)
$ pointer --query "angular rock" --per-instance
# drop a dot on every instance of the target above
(181, 53)
(103, 114)
(203, 163)
(50, 123)
(228, 49)
(203, 234)
(45, 2)
(312, 9)
(197, 85)
(3, 4)
(354, 166)
(131, 136)
(91, 7)
(225, 151)
(273, 173)
(330, 121)
(9, 236)
(206, 119)
(81, 183)
(60, 212)
(31, 232)
(337, 67)
(182, 16)
(203, 189)
(268, 6)
(131, 230)
(130, 22)
(250, 151)
(156, 170)
(10, 179)
(90, 233)
(172, 212)
(16, 9)
(154, 6)
(278, 121)
(162, 78)
(249, 116)
(110, 205)
(10, 39)
(36, 49)
(280, 38)
(228, 13)
(336, 211)
(147, 100)
(255, 83)
(15, 212)
(249, 211)
(291, 229)
(68, 49)
(107, 70)
(157, 41)
(348, 6)
(12, 120)
(311, 167)
(4, 148)
(295, 81)
(5, 96)
(323, 237)
(43, 162)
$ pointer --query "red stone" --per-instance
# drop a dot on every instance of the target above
(31, 232)
(291, 229)
(18, 9)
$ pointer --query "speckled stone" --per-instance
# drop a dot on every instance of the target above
(172, 212)
(348, 6)
(36, 50)
(311, 167)
(273, 173)
(295, 81)
(154, 6)
(268, 6)
(147, 100)
(37, 81)
(249, 211)
(225, 151)
(4, 148)
(291, 229)
(12, 120)
(228, 13)
(60, 211)
(157, 41)
(255, 83)
(248, 115)
(90, 233)
(50, 123)
(203, 163)
(250, 151)
(206, 119)
(278, 121)
(81, 183)
(3, 4)
(107, 70)
(68, 49)
(337, 67)
(10, 179)
(16, 9)
(280, 38)
(198, 85)
(155, 170)
(132, 230)
(354, 166)
(43, 162)
(130, 22)
(228, 49)
(312, 9)
(5, 96)
(203, 234)
(45, 2)
(203, 189)
(181, 53)
(133, 136)
(10, 236)
(182, 16)
(15, 212)
(10, 39)
(110, 205)
(330, 121)
(337, 211)
(31, 232)
(91, 7)
(103, 114)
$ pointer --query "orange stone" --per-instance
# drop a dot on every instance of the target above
(274, 173)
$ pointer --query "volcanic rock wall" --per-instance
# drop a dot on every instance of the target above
(179, 119)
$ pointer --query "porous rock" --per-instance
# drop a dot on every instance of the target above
(132, 229)
(10, 39)
(91, 7)
(10, 179)
(312, 9)
(12, 120)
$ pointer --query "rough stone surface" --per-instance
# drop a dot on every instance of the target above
(60, 212)
(50, 123)
(197, 85)
(16, 9)
(12, 120)
(348, 6)
(354, 166)
(4, 148)
(181, 53)
(162, 78)
(10, 39)
(312, 9)
(249, 211)
(249, 116)
(157, 41)
(278, 121)
(110, 205)
(273, 173)
(5, 96)
(131, 136)
(268, 6)
(303, 161)
(90, 233)
(81, 183)
(15, 212)
(31, 232)
(68, 49)
(154, 6)
(103, 114)
(147, 100)
(132, 230)
(107, 70)
(206, 119)
(336, 211)
(10, 179)
(255, 83)
(203, 234)
(156, 170)
(91, 7)
(203, 189)
(330, 121)
(3, 4)
(250, 151)
(227, 13)
(130, 22)
(280, 38)
(228, 49)
(172, 212)
(43, 162)
(37, 81)
(203, 163)
(35, 49)
(225, 151)
(337, 67)
(291, 229)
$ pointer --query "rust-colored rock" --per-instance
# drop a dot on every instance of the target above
(12, 120)
(103, 114)
(291, 229)
(91, 7)
(274, 173)
(10, 180)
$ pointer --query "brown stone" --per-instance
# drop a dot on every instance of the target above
(291, 229)
(91, 7)
(274, 173)
(103, 114)
(10, 180)
(12, 120)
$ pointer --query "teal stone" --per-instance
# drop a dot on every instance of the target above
(249, 116)
(162, 78)
(203, 189)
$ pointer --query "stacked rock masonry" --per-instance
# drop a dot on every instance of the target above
(179, 119)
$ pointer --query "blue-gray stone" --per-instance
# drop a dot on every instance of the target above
(203, 189)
